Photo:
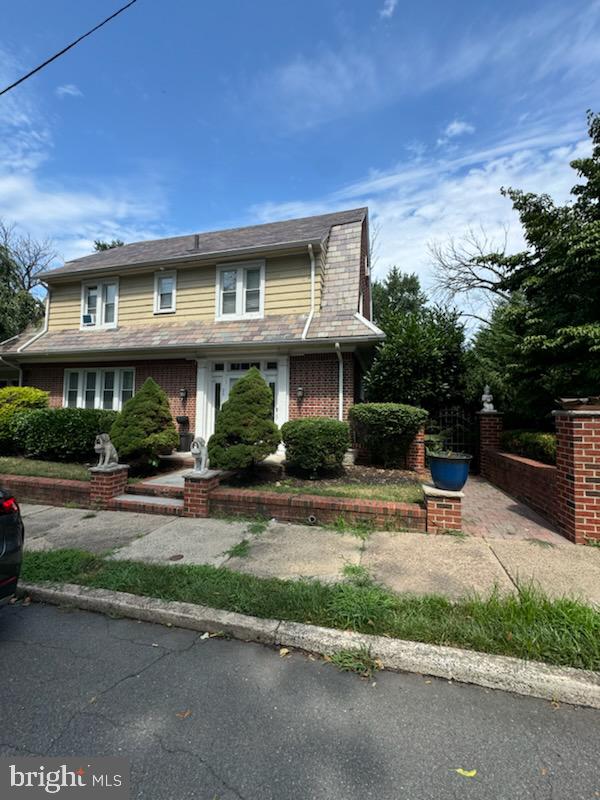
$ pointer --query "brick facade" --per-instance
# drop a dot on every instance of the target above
(578, 474)
(318, 374)
(173, 375)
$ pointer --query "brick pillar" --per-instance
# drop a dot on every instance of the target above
(415, 457)
(577, 502)
(106, 483)
(197, 487)
(490, 429)
(443, 509)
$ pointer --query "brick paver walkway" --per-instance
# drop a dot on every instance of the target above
(491, 514)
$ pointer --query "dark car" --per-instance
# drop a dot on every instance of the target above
(11, 544)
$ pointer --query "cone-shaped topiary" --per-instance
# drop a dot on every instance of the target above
(244, 431)
(144, 429)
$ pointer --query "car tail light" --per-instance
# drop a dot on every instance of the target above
(9, 506)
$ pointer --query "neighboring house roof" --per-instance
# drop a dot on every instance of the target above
(195, 335)
(214, 243)
(340, 238)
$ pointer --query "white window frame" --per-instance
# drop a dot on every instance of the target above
(100, 284)
(157, 276)
(242, 268)
(98, 389)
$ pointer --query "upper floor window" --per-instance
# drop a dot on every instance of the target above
(165, 288)
(240, 290)
(99, 304)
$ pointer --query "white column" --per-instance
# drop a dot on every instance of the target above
(283, 391)
(202, 389)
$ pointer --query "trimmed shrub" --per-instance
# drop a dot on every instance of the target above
(315, 443)
(144, 430)
(386, 429)
(60, 434)
(14, 399)
(530, 444)
(244, 431)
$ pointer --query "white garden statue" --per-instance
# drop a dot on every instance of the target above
(199, 450)
(487, 398)
(107, 455)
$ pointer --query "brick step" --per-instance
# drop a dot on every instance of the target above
(147, 504)
(154, 490)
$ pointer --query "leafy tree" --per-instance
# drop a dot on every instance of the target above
(244, 431)
(397, 293)
(100, 245)
(144, 430)
(21, 261)
(421, 362)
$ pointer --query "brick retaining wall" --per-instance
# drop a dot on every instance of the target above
(529, 481)
(298, 508)
(49, 491)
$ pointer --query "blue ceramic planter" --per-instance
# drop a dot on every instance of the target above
(449, 470)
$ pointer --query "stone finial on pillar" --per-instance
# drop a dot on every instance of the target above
(577, 502)
(490, 430)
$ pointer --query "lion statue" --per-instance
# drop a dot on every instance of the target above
(200, 452)
(106, 450)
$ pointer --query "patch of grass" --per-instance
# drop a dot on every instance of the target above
(539, 542)
(90, 515)
(359, 661)
(357, 574)
(528, 625)
(398, 493)
(239, 550)
(257, 526)
(242, 518)
(361, 529)
(43, 469)
(457, 534)
(592, 542)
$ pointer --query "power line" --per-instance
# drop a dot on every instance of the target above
(64, 50)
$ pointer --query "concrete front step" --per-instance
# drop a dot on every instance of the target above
(148, 489)
(147, 504)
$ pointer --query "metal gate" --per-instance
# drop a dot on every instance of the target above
(455, 429)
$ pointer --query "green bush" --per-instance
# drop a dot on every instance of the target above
(144, 430)
(60, 434)
(14, 399)
(530, 444)
(386, 429)
(244, 431)
(315, 443)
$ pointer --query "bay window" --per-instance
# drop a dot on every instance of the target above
(99, 304)
(240, 291)
(108, 389)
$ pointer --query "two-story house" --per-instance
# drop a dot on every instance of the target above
(194, 312)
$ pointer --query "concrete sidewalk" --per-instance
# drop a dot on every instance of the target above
(404, 562)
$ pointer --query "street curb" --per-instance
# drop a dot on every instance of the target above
(531, 678)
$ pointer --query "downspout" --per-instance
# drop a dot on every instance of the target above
(312, 291)
(44, 329)
(340, 381)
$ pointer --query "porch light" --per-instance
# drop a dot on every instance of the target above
(300, 394)
(183, 393)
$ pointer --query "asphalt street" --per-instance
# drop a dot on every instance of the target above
(216, 719)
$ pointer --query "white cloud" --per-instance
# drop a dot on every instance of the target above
(68, 90)
(431, 198)
(388, 8)
(458, 127)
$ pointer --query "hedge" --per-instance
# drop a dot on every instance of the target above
(315, 443)
(14, 399)
(530, 444)
(386, 429)
(60, 434)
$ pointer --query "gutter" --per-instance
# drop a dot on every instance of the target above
(338, 351)
(312, 291)
(44, 329)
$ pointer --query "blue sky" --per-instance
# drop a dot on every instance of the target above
(184, 116)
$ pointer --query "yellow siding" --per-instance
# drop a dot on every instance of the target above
(287, 291)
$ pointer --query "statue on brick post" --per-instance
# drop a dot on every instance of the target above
(107, 455)
(199, 451)
(487, 398)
